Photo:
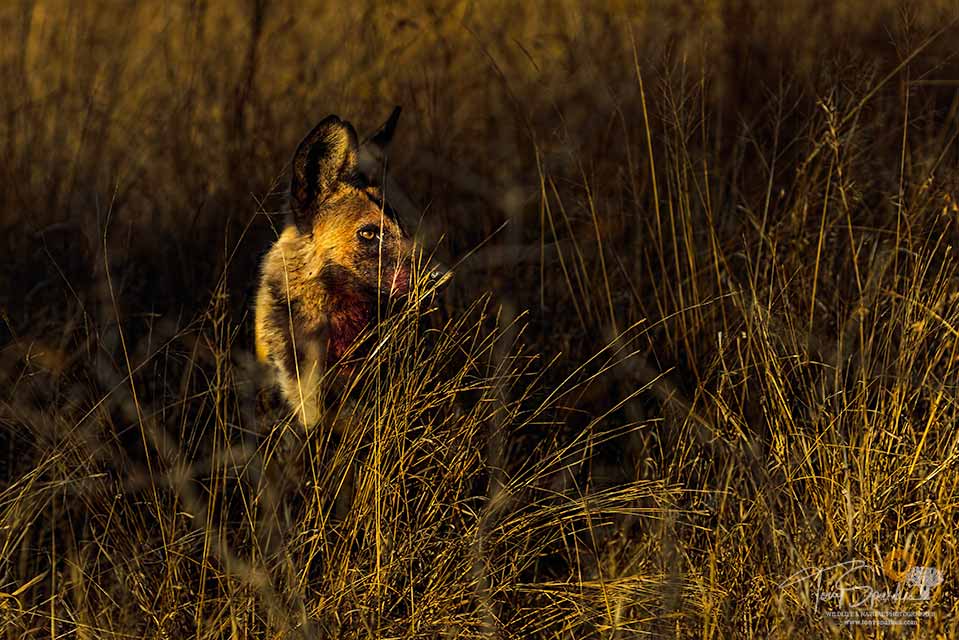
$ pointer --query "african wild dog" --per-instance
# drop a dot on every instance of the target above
(342, 253)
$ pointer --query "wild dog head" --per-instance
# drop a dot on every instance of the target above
(359, 245)
(343, 259)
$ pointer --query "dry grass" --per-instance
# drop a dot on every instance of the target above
(704, 331)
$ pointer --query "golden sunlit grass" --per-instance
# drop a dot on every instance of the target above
(703, 333)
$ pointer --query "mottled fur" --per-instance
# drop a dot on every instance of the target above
(341, 253)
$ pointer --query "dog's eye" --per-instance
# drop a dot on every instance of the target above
(369, 232)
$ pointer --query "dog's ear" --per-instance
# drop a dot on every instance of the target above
(327, 155)
(384, 135)
(373, 151)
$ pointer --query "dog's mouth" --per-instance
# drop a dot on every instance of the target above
(400, 283)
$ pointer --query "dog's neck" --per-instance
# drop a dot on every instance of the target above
(348, 317)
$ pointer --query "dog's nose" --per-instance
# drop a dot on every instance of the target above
(438, 275)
